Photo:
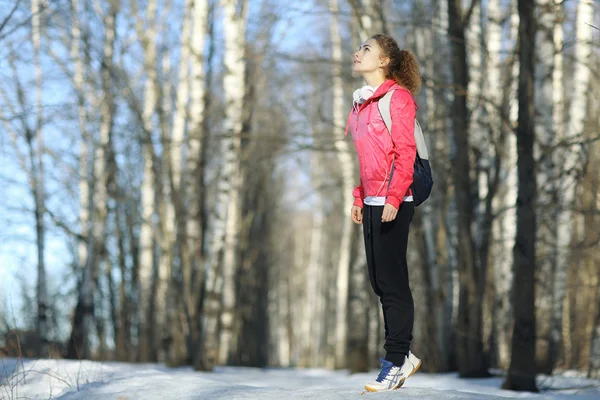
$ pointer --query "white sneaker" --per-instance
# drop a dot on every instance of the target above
(415, 362)
(392, 377)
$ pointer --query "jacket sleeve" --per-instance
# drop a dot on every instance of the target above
(358, 196)
(403, 111)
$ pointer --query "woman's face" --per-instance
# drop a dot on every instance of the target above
(367, 58)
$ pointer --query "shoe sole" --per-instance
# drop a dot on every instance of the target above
(399, 385)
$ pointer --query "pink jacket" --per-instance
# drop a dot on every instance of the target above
(377, 151)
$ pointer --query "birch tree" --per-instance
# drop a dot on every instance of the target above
(570, 161)
(549, 128)
(369, 15)
(147, 238)
(83, 319)
(235, 12)
(503, 227)
(165, 323)
(37, 171)
(94, 193)
(195, 190)
(181, 317)
(346, 167)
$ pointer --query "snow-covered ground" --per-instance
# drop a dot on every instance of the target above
(69, 380)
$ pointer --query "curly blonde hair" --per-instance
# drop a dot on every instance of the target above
(403, 66)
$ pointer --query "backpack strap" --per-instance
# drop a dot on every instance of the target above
(384, 109)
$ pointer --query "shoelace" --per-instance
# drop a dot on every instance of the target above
(386, 367)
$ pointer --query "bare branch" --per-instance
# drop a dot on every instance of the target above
(474, 4)
(593, 26)
(9, 16)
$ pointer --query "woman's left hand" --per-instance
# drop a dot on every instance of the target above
(389, 213)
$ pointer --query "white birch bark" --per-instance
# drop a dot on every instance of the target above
(509, 218)
(182, 97)
(147, 259)
(165, 326)
(509, 221)
(546, 131)
(314, 284)
(177, 150)
(78, 82)
(369, 23)
(479, 137)
(284, 308)
(594, 259)
(230, 266)
(193, 190)
(100, 193)
(559, 273)
(473, 34)
(505, 240)
(296, 294)
(86, 203)
(570, 163)
(313, 316)
(234, 25)
(508, 199)
(346, 167)
(38, 185)
(177, 329)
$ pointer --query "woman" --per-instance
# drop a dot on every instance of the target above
(383, 201)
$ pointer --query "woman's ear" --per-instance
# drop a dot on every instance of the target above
(385, 61)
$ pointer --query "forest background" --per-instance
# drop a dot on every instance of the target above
(176, 184)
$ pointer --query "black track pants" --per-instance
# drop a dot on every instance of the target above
(386, 245)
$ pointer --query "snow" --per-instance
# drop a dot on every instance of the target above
(71, 380)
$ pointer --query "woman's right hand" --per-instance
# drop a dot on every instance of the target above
(357, 214)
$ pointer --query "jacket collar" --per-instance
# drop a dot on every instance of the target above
(385, 87)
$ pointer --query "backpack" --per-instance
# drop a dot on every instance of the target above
(422, 177)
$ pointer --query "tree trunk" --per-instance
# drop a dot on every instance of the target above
(470, 355)
(130, 211)
(570, 162)
(193, 257)
(594, 363)
(165, 295)
(78, 346)
(147, 236)
(434, 270)
(503, 227)
(592, 234)
(521, 374)
(346, 167)
(314, 283)
(37, 171)
(548, 129)
(122, 337)
(444, 247)
(369, 16)
(193, 246)
(235, 12)
(358, 318)
(556, 282)
(104, 163)
(231, 263)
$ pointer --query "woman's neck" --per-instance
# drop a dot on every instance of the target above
(374, 79)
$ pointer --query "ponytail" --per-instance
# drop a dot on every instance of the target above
(403, 66)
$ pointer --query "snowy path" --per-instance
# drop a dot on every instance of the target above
(73, 380)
